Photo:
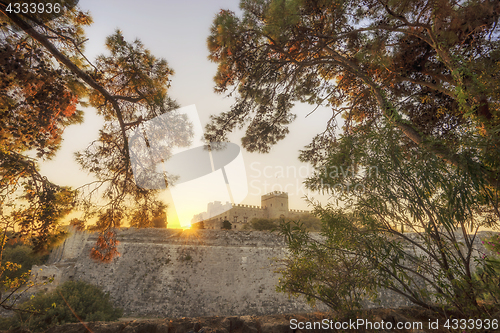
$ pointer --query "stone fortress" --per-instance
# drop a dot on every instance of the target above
(273, 205)
(188, 273)
(179, 273)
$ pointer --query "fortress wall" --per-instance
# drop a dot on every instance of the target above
(183, 273)
(169, 272)
(248, 212)
(297, 213)
(238, 211)
(71, 248)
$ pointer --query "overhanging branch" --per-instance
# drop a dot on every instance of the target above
(44, 41)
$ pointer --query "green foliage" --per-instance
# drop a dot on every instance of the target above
(488, 275)
(262, 224)
(226, 225)
(38, 100)
(326, 272)
(308, 221)
(493, 245)
(153, 216)
(420, 140)
(88, 302)
(487, 281)
(138, 82)
(429, 72)
(22, 255)
(15, 269)
(409, 228)
(17, 256)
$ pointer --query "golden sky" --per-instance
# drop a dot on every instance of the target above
(177, 31)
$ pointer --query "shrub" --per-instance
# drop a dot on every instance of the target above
(22, 255)
(77, 224)
(307, 221)
(262, 224)
(409, 228)
(87, 301)
(226, 225)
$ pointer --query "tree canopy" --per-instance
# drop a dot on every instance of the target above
(72, 301)
(427, 67)
(45, 76)
(410, 226)
(416, 83)
(38, 100)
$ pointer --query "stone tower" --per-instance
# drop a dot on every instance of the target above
(276, 204)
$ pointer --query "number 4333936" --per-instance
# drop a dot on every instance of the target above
(471, 324)
(33, 8)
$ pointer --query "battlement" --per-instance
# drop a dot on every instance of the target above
(299, 211)
(275, 194)
(247, 206)
(273, 205)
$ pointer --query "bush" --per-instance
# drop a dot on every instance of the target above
(16, 262)
(410, 228)
(226, 225)
(22, 255)
(307, 221)
(262, 224)
(87, 301)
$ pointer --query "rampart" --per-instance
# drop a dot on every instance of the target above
(273, 205)
(169, 272)
(176, 273)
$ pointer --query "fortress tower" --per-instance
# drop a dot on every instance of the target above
(276, 204)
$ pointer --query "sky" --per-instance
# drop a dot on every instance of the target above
(177, 31)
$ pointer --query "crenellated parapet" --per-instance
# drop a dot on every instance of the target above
(273, 205)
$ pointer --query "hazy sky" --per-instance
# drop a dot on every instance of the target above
(177, 32)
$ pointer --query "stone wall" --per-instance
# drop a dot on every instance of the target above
(176, 273)
(276, 203)
(169, 272)
(273, 205)
(238, 215)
